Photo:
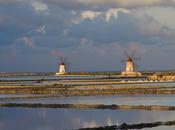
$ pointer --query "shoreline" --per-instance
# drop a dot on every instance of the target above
(87, 106)
(125, 126)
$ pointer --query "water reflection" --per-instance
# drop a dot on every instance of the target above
(58, 119)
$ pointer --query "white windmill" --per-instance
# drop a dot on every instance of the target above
(130, 67)
(63, 66)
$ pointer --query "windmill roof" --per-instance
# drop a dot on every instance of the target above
(62, 63)
(130, 59)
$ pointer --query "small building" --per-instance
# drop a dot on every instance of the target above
(62, 67)
(130, 69)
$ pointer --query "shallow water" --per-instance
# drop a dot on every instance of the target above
(59, 119)
(2, 96)
(164, 84)
(50, 80)
(46, 77)
(162, 100)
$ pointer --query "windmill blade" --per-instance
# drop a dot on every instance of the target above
(136, 65)
(67, 63)
(61, 59)
(125, 57)
(137, 58)
(123, 61)
(126, 53)
(137, 62)
(133, 53)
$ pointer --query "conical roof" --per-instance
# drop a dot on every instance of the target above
(130, 59)
(62, 63)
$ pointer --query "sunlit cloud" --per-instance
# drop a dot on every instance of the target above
(113, 12)
(40, 7)
(106, 15)
(91, 15)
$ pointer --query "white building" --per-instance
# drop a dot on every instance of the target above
(62, 69)
(130, 69)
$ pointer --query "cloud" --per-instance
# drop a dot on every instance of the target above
(28, 41)
(3, 125)
(40, 7)
(109, 49)
(130, 26)
(135, 47)
(113, 12)
(9, 1)
(127, 3)
(56, 53)
(91, 15)
(106, 4)
(101, 29)
(94, 4)
(148, 26)
(41, 29)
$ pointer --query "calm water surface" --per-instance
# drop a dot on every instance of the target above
(47, 77)
(164, 100)
(59, 119)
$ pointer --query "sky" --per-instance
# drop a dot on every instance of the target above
(92, 34)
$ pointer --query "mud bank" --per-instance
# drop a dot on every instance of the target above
(85, 90)
(87, 106)
(133, 126)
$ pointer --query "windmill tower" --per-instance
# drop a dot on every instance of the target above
(129, 65)
(62, 66)
(130, 68)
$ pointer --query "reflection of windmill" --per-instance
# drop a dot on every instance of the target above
(63, 65)
(130, 68)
